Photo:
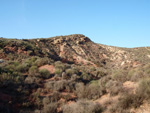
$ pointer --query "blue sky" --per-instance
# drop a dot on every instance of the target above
(124, 23)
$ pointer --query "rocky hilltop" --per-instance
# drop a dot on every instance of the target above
(74, 48)
(61, 73)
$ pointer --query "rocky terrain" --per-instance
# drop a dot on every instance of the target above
(72, 74)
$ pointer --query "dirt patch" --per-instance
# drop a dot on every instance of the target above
(50, 68)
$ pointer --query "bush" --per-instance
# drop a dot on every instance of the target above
(135, 75)
(135, 100)
(64, 75)
(120, 76)
(55, 96)
(31, 80)
(114, 87)
(50, 108)
(82, 106)
(44, 73)
(58, 71)
(89, 91)
(103, 81)
(70, 72)
(74, 77)
(33, 71)
(50, 85)
(129, 101)
(42, 61)
(86, 77)
(147, 69)
(94, 91)
(99, 73)
(23, 67)
(60, 65)
(60, 85)
(144, 88)
(46, 101)
(31, 61)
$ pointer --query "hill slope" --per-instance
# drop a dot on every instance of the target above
(55, 74)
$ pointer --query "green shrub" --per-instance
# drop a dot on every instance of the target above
(44, 73)
(62, 66)
(31, 61)
(11, 66)
(42, 61)
(58, 71)
(59, 65)
(33, 71)
(31, 80)
(69, 72)
(23, 67)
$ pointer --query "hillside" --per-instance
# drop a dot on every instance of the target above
(72, 74)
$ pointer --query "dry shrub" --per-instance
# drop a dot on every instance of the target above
(120, 75)
(82, 106)
(61, 85)
(50, 108)
(130, 100)
(50, 85)
(55, 96)
(32, 80)
(114, 87)
(90, 91)
(46, 101)
(144, 88)
(103, 81)
(137, 76)
(80, 90)
(125, 103)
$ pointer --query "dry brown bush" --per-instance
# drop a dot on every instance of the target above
(82, 106)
